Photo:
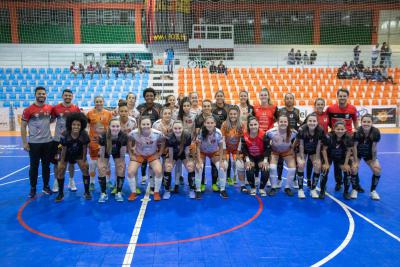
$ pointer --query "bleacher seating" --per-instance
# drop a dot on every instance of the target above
(305, 83)
(17, 86)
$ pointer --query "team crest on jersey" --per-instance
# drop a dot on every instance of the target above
(347, 116)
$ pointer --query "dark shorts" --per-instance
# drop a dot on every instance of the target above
(53, 152)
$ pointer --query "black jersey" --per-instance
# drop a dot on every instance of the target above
(364, 142)
(120, 141)
(175, 144)
(337, 148)
(153, 112)
(220, 112)
(310, 141)
(294, 117)
(199, 121)
(74, 146)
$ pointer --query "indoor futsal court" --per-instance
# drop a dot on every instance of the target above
(110, 86)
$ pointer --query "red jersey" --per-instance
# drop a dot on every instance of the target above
(323, 121)
(266, 116)
(38, 119)
(347, 114)
(60, 113)
(253, 146)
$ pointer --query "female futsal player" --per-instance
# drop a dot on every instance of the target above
(244, 106)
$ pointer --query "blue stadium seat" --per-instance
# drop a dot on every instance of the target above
(37, 76)
(65, 71)
(41, 83)
(17, 70)
(11, 76)
(32, 83)
(26, 103)
(50, 71)
(20, 76)
(14, 83)
(18, 89)
(42, 70)
(25, 70)
(54, 77)
(11, 96)
(1, 70)
(59, 82)
(17, 104)
(3, 76)
(57, 70)
(6, 104)
(28, 76)
(8, 70)
(34, 71)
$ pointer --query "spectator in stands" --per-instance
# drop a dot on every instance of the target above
(388, 58)
(169, 56)
(131, 67)
(291, 59)
(386, 77)
(313, 57)
(356, 52)
(306, 60)
(90, 69)
(121, 69)
(374, 54)
(141, 67)
(81, 70)
(383, 53)
(221, 68)
(213, 68)
(297, 57)
(106, 70)
(73, 69)
(368, 74)
(98, 69)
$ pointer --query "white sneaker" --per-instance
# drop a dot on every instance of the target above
(354, 194)
(253, 192)
(119, 197)
(278, 184)
(167, 195)
(103, 198)
(314, 194)
(300, 194)
(144, 178)
(55, 186)
(268, 183)
(374, 195)
(296, 184)
(192, 195)
(263, 193)
(71, 185)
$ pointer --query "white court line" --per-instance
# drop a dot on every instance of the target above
(346, 240)
(8, 175)
(388, 153)
(15, 181)
(136, 230)
(14, 156)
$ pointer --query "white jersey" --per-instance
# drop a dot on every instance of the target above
(211, 143)
(146, 145)
(165, 129)
(189, 122)
(130, 125)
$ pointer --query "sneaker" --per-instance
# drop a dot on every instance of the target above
(46, 190)
(181, 180)
(198, 195)
(87, 196)
(157, 196)
(192, 195)
(268, 183)
(253, 192)
(32, 193)
(166, 195)
(229, 181)
(346, 195)
(203, 187)
(144, 178)
(263, 193)
(215, 187)
(151, 190)
(55, 186)
(109, 185)
(374, 195)
(244, 189)
(114, 190)
(354, 194)
(72, 186)
(314, 193)
(300, 194)
(103, 198)
(337, 187)
(132, 197)
(91, 187)
(321, 194)
(59, 197)
(119, 197)
(289, 192)
(223, 194)
(360, 189)
(138, 191)
(279, 184)
(296, 184)
(176, 189)
(272, 192)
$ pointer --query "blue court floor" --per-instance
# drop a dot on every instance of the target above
(239, 231)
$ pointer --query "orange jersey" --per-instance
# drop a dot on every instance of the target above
(98, 123)
(232, 137)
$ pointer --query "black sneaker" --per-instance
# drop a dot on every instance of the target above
(87, 196)
(198, 195)
(272, 192)
(223, 194)
(322, 195)
(338, 186)
(59, 197)
(32, 193)
(176, 189)
(181, 181)
(244, 189)
(47, 191)
(289, 192)
(346, 196)
(360, 189)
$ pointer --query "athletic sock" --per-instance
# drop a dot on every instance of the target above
(375, 181)
(346, 182)
(167, 180)
(103, 184)
(353, 180)
(132, 184)
(324, 179)
(300, 176)
(120, 183)
(191, 175)
(86, 181)
(60, 185)
(315, 178)
(157, 184)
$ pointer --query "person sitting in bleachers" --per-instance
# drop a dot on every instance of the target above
(131, 67)
(121, 69)
(98, 69)
(306, 59)
(141, 67)
(81, 70)
(291, 59)
(106, 70)
(313, 57)
(90, 69)
(73, 69)
(386, 77)
(213, 68)
(221, 68)
(297, 57)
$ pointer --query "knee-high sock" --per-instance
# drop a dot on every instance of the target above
(103, 184)
(273, 173)
(264, 179)
(60, 185)
(132, 184)
(315, 178)
(221, 176)
(178, 171)
(300, 176)
(250, 177)
(151, 181)
(228, 171)
(375, 181)
(309, 169)
(167, 180)
(354, 183)
(214, 173)
(324, 180)
(203, 173)
(338, 173)
(191, 175)
(198, 180)
(120, 183)
(280, 168)
(290, 176)
(240, 171)
(346, 182)
(86, 181)
(144, 167)
(157, 184)
(92, 169)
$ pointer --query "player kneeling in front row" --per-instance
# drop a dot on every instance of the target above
(365, 147)
(74, 150)
(178, 143)
(310, 139)
(145, 145)
(112, 143)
